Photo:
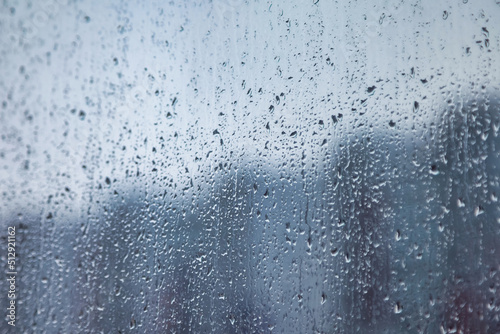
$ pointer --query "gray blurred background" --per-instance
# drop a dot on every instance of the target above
(251, 166)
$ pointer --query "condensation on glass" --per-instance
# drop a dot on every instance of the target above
(251, 166)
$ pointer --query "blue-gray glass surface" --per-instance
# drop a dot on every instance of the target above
(249, 166)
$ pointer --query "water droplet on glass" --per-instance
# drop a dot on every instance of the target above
(398, 308)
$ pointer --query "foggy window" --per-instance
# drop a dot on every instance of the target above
(244, 166)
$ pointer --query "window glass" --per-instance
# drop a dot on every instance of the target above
(242, 166)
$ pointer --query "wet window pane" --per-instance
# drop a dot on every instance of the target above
(243, 166)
